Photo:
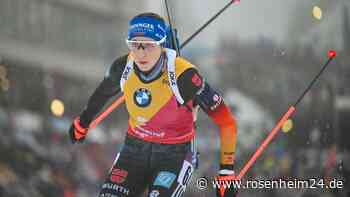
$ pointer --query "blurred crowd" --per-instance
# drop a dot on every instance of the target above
(37, 158)
(37, 163)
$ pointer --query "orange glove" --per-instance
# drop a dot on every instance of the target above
(77, 132)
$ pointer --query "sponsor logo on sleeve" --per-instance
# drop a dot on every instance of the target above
(196, 80)
(217, 101)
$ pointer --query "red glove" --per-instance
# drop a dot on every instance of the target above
(77, 132)
(228, 192)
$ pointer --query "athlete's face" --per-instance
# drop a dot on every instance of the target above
(146, 54)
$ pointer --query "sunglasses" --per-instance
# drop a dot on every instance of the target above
(148, 45)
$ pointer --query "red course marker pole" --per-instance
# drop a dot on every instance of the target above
(266, 142)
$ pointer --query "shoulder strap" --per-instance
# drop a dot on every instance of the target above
(171, 56)
(126, 73)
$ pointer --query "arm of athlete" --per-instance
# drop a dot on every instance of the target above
(105, 90)
(192, 86)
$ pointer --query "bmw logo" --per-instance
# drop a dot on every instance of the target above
(142, 97)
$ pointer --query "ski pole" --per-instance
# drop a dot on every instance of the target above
(173, 35)
(208, 22)
(105, 113)
(274, 131)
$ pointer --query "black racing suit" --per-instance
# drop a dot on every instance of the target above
(164, 168)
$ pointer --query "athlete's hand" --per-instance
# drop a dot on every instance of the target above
(228, 192)
(77, 132)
